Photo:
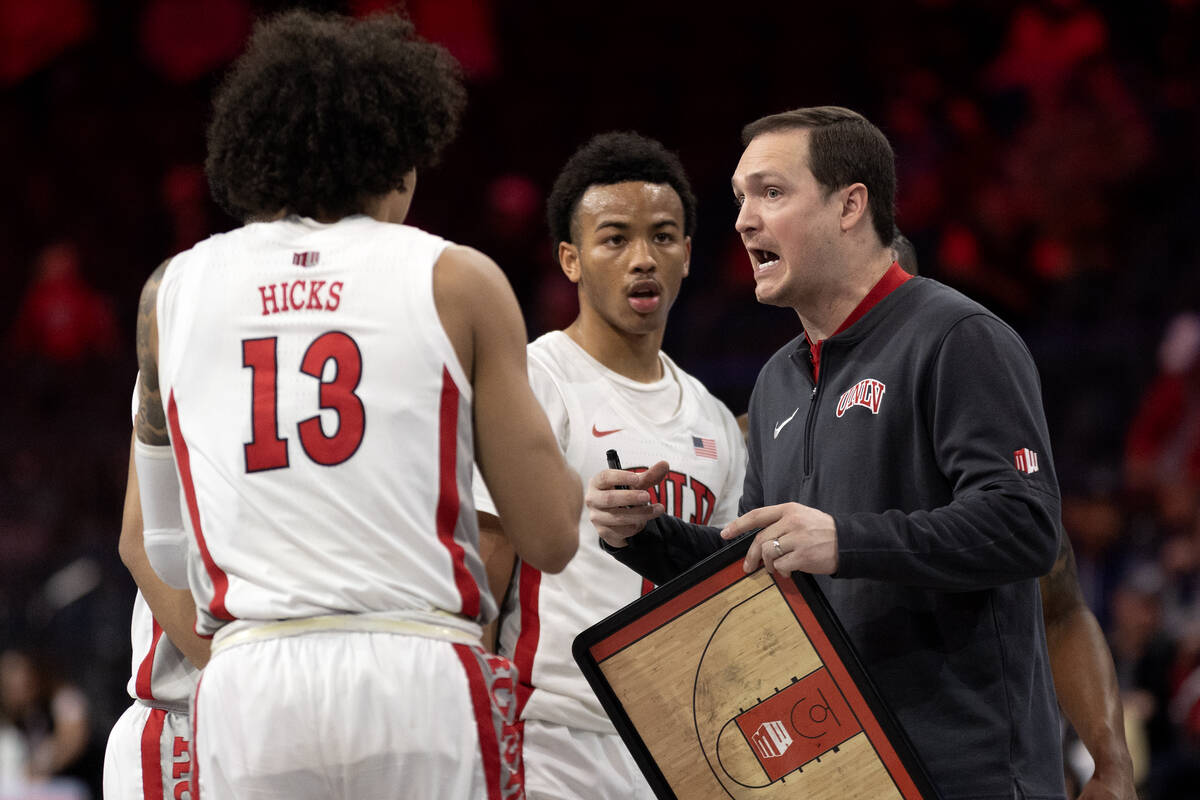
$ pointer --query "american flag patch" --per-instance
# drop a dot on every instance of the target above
(1026, 460)
(308, 259)
(705, 448)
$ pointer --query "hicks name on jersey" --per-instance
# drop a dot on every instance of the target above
(300, 295)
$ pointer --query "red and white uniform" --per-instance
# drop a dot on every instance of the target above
(148, 753)
(321, 425)
(592, 409)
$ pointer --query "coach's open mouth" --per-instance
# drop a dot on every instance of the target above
(764, 259)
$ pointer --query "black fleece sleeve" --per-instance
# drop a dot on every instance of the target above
(983, 401)
(666, 548)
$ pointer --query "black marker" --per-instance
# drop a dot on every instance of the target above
(614, 462)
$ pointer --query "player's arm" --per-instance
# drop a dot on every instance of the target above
(1085, 679)
(150, 423)
(536, 494)
(499, 561)
(175, 609)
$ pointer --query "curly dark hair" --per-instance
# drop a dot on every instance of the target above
(323, 112)
(614, 158)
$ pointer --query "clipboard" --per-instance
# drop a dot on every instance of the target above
(745, 687)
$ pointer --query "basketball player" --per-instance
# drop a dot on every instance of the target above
(325, 380)
(621, 217)
(149, 752)
(898, 452)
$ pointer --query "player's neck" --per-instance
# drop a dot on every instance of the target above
(633, 355)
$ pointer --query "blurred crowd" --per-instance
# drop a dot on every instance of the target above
(1048, 153)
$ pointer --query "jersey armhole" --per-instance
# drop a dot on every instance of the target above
(440, 336)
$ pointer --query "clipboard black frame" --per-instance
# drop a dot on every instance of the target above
(821, 610)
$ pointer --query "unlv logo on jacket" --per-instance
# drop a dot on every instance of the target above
(867, 393)
(683, 496)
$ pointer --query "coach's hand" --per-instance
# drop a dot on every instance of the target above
(619, 513)
(806, 537)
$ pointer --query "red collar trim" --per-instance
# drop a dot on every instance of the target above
(887, 284)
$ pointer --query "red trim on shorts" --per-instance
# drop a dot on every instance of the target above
(449, 503)
(152, 772)
(144, 686)
(529, 581)
(481, 701)
(220, 580)
(195, 781)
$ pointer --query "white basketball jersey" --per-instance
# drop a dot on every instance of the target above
(321, 424)
(590, 410)
(161, 676)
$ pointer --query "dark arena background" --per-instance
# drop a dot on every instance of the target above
(1048, 155)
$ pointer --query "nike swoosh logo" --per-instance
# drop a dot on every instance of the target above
(598, 434)
(779, 427)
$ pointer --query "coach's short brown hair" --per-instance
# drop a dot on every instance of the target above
(843, 148)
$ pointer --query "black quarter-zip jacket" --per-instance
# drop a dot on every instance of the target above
(926, 440)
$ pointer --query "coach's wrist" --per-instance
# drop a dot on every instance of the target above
(612, 545)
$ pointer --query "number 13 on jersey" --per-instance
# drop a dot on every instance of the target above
(266, 449)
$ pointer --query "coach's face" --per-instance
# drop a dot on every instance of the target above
(630, 254)
(787, 221)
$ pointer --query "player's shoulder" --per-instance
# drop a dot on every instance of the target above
(464, 276)
(696, 388)
(557, 355)
(415, 234)
(463, 262)
(216, 246)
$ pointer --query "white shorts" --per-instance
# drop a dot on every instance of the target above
(148, 756)
(564, 763)
(339, 714)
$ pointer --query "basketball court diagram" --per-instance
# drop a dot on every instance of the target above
(732, 689)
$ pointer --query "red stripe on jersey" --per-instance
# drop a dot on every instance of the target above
(152, 771)
(489, 746)
(448, 500)
(220, 580)
(144, 686)
(530, 581)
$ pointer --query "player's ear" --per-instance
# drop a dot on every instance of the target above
(568, 259)
(687, 255)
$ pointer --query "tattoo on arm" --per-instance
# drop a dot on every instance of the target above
(151, 424)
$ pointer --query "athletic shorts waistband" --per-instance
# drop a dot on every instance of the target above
(428, 624)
